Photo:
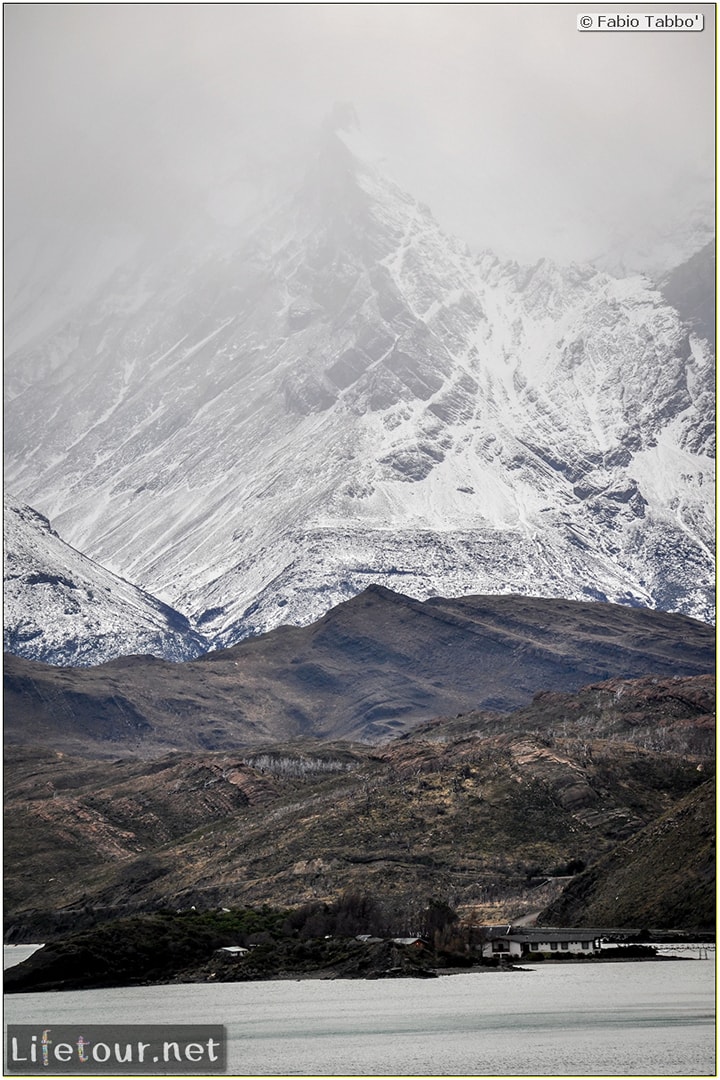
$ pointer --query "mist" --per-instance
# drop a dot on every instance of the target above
(522, 134)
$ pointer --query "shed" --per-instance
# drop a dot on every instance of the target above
(417, 942)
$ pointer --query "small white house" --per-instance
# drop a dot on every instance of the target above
(515, 942)
(233, 950)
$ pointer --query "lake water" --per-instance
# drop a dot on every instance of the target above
(613, 1019)
(15, 954)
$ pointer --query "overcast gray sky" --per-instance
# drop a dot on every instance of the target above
(521, 133)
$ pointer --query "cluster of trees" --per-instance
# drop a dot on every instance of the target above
(535, 873)
(359, 913)
(282, 765)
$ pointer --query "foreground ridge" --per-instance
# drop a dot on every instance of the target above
(373, 667)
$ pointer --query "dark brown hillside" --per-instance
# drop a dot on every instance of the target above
(663, 876)
(371, 668)
(479, 818)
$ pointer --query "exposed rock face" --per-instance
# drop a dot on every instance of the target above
(62, 608)
(258, 425)
(373, 667)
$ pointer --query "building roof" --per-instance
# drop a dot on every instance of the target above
(532, 933)
(553, 935)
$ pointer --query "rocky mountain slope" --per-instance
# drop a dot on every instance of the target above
(62, 608)
(492, 814)
(676, 853)
(374, 666)
(264, 420)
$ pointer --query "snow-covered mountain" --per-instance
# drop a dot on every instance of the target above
(263, 422)
(62, 608)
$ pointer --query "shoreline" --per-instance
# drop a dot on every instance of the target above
(333, 975)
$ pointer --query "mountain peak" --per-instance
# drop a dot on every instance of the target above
(330, 181)
(342, 117)
(380, 593)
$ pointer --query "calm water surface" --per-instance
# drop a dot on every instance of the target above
(614, 1019)
(15, 954)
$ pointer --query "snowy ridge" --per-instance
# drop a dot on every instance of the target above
(62, 608)
(345, 395)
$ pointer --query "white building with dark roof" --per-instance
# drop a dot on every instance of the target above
(522, 941)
